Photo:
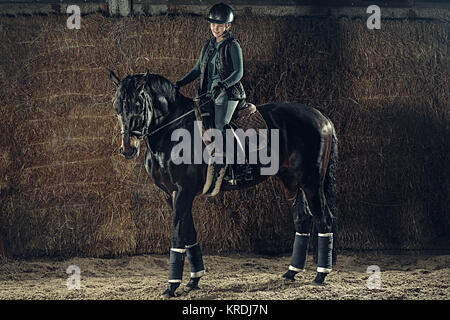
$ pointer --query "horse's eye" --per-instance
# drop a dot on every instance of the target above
(138, 107)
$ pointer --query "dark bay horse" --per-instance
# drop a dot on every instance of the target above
(149, 107)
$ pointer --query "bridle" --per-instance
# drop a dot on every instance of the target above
(146, 101)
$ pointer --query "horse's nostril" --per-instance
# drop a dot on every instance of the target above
(129, 153)
(133, 153)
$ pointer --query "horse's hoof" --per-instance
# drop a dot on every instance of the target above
(320, 279)
(319, 284)
(289, 276)
(166, 295)
(192, 285)
(188, 288)
(169, 294)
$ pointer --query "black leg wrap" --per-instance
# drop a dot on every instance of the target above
(324, 252)
(176, 265)
(299, 252)
(194, 255)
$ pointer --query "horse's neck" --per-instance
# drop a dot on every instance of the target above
(161, 140)
(181, 106)
(185, 103)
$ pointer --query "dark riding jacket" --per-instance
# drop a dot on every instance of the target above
(224, 67)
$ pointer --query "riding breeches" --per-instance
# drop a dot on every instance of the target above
(223, 110)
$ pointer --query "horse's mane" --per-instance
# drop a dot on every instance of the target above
(162, 86)
(159, 86)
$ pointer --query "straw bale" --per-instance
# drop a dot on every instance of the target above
(65, 190)
(5, 163)
(98, 227)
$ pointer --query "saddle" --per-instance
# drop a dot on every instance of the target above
(246, 117)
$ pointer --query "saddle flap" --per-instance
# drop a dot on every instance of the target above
(251, 118)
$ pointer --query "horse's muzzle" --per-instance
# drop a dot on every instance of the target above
(130, 147)
(129, 153)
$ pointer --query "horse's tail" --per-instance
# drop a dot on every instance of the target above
(330, 187)
(330, 176)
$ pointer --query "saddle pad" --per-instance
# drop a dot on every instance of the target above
(250, 118)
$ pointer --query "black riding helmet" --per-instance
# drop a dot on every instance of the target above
(220, 13)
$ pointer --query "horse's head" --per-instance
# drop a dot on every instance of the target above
(141, 103)
(129, 105)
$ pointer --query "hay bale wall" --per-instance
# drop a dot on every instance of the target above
(397, 128)
(65, 190)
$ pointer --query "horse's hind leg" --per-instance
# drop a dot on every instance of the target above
(323, 220)
(302, 221)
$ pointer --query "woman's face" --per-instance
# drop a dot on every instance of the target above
(219, 29)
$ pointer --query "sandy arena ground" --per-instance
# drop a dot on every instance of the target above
(234, 277)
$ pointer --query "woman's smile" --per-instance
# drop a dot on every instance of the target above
(219, 29)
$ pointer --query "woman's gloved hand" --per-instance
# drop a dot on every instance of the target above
(218, 88)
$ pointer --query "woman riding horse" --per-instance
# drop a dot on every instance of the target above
(148, 106)
(220, 67)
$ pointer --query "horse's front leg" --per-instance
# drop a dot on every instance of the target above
(194, 255)
(169, 199)
(183, 239)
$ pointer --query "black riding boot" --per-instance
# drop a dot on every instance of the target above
(242, 171)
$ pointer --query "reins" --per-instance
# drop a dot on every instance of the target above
(168, 124)
(174, 120)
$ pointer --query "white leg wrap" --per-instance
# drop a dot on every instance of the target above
(323, 270)
(292, 268)
(198, 274)
(175, 281)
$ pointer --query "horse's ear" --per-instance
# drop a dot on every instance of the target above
(115, 79)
